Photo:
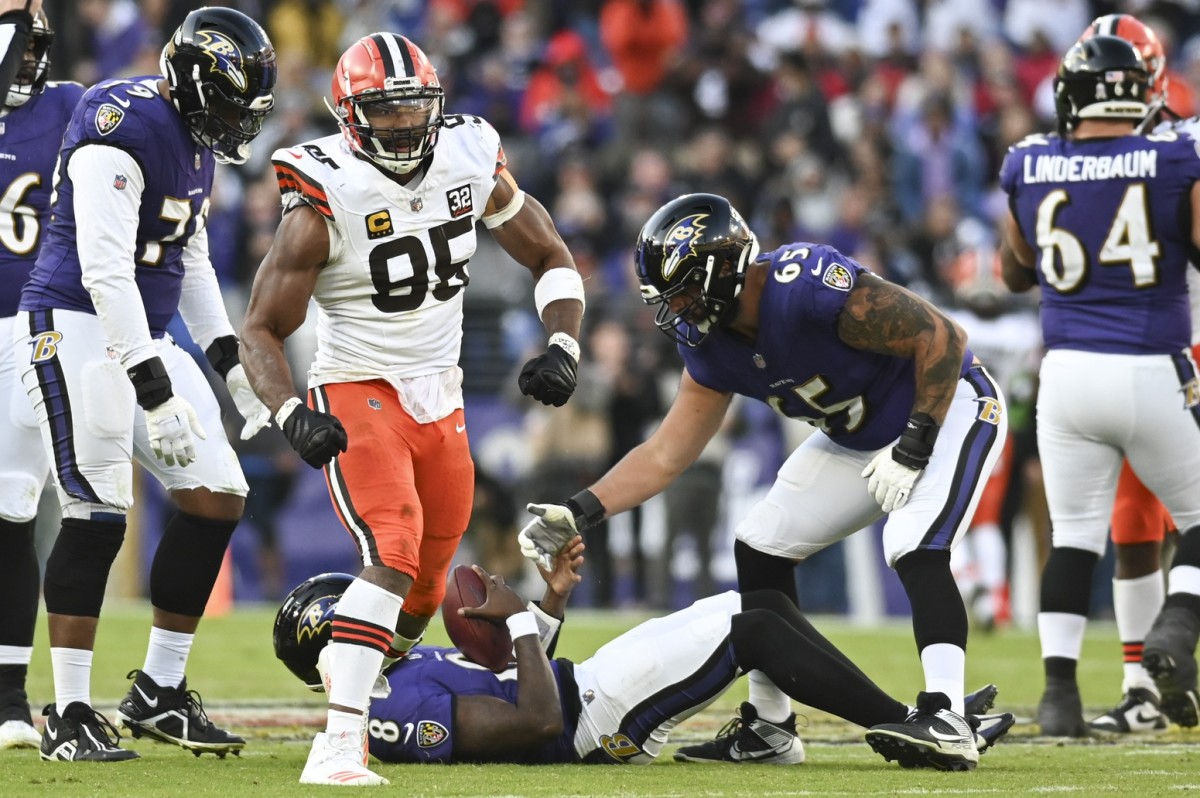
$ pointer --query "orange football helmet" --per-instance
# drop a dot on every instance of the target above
(388, 101)
(1144, 39)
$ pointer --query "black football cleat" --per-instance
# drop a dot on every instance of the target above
(1060, 711)
(16, 722)
(749, 739)
(1169, 656)
(981, 701)
(173, 715)
(1137, 713)
(81, 734)
(932, 736)
(990, 728)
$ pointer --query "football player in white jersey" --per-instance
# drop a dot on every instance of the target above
(378, 226)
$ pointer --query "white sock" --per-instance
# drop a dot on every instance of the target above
(349, 723)
(16, 655)
(72, 676)
(990, 555)
(944, 664)
(167, 656)
(1136, 602)
(773, 704)
(369, 613)
(1061, 634)
(1184, 579)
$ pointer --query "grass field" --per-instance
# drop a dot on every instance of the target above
(246, 690)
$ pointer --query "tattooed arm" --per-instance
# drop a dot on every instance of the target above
(882, 317)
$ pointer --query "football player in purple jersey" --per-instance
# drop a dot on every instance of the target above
(17, 20)
(34, 115)
(616, 707)
(1104, 221)
(881, 373)
(125, 249)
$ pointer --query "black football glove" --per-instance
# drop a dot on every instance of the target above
(549, 377)
(316, 437)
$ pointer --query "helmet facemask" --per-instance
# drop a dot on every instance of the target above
(710, 291)
(31, 77)
(395, 129)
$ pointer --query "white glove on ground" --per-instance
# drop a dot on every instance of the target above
(543, 537)
(890, 482)
(171, 426)
(251, 409)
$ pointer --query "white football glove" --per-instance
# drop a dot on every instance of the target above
(172, 426)
(251, 409)
(890, 482)
(543, 537)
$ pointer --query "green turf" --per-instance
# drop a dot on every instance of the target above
(246, 689)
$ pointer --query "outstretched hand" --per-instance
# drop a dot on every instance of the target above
(502, 601)
(564, 575)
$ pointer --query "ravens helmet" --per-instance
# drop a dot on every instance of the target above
(304, 625)
(691, 261)
(388, 101)
(220, 67)
(1102, 77)
(31, 77)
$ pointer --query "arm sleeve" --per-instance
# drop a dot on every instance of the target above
(200, 303)
(106, 221)
(15, 27)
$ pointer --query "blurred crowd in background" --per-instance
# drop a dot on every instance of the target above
(877, 126)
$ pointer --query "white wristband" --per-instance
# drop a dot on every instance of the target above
(521, 624)
(286, 409)
(557, 283)
(568, 344)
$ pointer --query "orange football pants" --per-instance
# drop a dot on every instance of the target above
(403, 490)
(1138, 516)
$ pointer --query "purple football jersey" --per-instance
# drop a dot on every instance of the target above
(130, 115)
(799, 365)
(416, 722)
(1107, 218)
(30, 135)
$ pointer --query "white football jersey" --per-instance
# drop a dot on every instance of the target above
(390, 296)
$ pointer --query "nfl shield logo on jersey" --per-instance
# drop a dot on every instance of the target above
(108, 116)
(119, 182)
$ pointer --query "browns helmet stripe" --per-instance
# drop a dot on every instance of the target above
(386, 54)
(405, 46)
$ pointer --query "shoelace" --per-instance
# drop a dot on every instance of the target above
(195, 708)
(731, 728)
(93, 719)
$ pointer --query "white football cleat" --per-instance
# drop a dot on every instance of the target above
(19, 734)
(338, 761)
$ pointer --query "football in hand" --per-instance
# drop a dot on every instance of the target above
(484, 642)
